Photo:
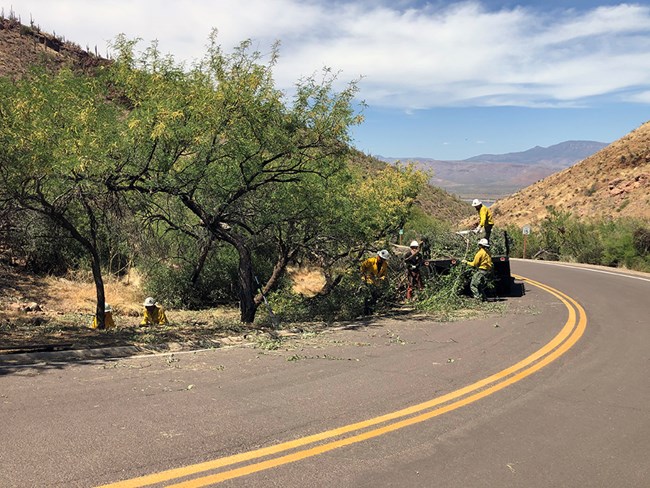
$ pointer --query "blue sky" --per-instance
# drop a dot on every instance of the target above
(444, 80)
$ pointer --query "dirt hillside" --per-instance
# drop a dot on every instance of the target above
(614, 182)
(23, 46)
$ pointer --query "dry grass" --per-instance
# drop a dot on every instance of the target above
(308, 281)
(67, 306)
(76, 294)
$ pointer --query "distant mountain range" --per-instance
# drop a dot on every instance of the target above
(565, 153)
(492, 176)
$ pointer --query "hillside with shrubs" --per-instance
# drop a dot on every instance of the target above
(595, 212)
(613, 183)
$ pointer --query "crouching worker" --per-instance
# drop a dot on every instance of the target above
(153, 314)
(108, 318)
(373, 274)
(483, 265)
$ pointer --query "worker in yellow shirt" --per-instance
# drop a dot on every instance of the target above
(108, 318)
(485, 218)
(373, 274)
(153, 314)
(483, 267)
(374, 269)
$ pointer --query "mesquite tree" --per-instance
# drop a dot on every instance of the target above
(56, 131)
(221, 139)
(215, 152)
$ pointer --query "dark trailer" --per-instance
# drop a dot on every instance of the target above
(503, 282)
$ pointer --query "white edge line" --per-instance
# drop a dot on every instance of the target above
(622, 274)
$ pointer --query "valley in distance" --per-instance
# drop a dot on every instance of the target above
(507, 173)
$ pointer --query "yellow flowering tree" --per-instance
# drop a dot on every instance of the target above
(57, 137)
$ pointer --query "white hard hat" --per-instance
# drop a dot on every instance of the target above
(107, 307)
(414, 244)
(476, 202)
(383, 254)
(483, 242)
(149, 302)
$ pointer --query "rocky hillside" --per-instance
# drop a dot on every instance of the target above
(614, 182)
(23, 46)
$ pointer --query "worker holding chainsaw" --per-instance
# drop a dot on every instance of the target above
(485, 218)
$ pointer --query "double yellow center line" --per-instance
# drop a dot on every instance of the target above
(313, 445)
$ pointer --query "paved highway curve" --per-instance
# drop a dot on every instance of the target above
(568, 335)
(313, 445)
(566, 403)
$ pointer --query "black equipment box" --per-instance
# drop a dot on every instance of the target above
(501, 275)
(442, 266)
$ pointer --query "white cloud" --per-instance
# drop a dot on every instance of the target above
(640, 97)
(410, 57)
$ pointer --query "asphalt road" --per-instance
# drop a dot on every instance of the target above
(552, 392)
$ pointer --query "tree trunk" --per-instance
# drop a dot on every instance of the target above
(278, 270)
(99, 288)
(205, 251)
(247, 305)
(91, 247)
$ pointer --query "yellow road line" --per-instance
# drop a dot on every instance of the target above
(565, 339)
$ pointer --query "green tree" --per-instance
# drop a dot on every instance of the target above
(215, 153)
(252, 169)
(56, 134)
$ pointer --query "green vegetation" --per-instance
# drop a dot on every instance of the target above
(443, 296)
(562, 236)
(207, 179)
(56, 139)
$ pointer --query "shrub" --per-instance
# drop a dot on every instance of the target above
(641, 239)
(46, 248)
(562, 236)
(446, 293)
(625, 245)
(344, 302)
(421, 224)
(172, 283)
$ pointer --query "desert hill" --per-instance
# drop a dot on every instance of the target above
(22, 47)
(614, 182)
